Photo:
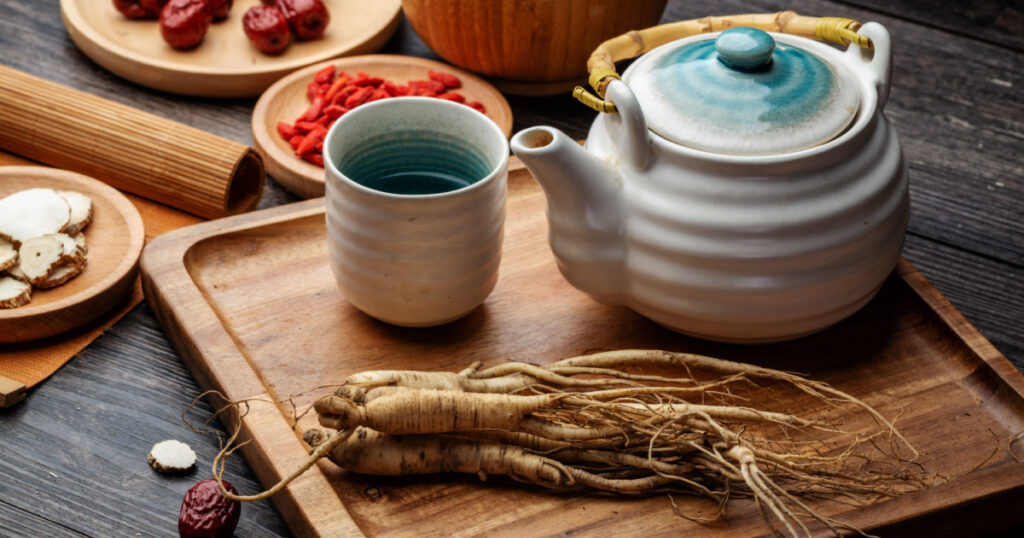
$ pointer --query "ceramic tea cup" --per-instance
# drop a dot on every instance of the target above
(415, 208)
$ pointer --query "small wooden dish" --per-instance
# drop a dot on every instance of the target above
(225, 64)
(286, 100)
(115, 238)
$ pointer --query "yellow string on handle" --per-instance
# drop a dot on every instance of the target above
(582, 95)
(841, 31)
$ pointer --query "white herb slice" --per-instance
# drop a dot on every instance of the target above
(8, 254)
(62, 274)
(15, 272)
(32, 213)
(40, 256)
(81, 211)
(13, 292)
(171, 456)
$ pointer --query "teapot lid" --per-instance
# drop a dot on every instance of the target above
(743, 94)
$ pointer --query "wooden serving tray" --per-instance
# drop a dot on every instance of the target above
(252, 306)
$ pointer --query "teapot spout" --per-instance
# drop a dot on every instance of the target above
(585, 210)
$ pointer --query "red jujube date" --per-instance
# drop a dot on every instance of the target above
(307, 18)
(183, 23)
(267, 28)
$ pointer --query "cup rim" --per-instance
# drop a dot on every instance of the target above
(332, 172)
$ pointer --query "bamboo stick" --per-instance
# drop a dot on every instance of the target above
(135, 151)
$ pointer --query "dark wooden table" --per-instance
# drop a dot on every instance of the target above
(73, 456)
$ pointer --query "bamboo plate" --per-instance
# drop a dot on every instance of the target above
(225, 64)
(286, 100)
(114, 237)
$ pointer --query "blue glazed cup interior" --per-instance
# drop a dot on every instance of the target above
(414, 146)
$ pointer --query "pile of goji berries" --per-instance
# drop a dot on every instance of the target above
(331, 97)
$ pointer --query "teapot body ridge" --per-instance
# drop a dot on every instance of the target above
(755, 250)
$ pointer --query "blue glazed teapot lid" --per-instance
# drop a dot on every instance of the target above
(742, 93)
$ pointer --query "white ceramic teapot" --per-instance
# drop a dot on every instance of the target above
(745, 186)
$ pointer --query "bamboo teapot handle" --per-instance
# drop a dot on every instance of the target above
(601, 64)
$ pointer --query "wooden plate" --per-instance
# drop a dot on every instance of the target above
(114, 237)
(225, 64)
(286, 100)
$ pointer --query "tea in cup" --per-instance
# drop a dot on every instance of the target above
(415, 208)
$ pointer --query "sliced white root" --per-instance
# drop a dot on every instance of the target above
(74, 252)
(8, 254)
(62, 274)
(81, 211)
(171, 456)
(80, 241)
(40, 256)
(32, 213)
(15, 271)
(13, 292)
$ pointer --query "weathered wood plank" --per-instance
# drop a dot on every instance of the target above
(995, 21)
(75, 453)
(989, 294)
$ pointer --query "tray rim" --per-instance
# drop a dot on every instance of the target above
(171, 248)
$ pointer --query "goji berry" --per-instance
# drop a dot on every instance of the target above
(337, 86)
(325, 75)
(452, 96)
(311, 90)
(342, 94)
(296, 140)
(335, 111)
(359, 97)
(312, 139)
(477, 105)
(314, 158)
(449, 80)
(303, 127)
(426, 87)
(368, 81)
(286, 130)
(315, 110)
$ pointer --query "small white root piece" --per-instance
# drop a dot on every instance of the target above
(61, 274)
(15, 272)
(38, 257)
(171, 456)
(80, 241)
(13, 292)
(32, 213)
(74, 251)
(81, 211)
(8, 254)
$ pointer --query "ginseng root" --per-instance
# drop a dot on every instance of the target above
(602, 423)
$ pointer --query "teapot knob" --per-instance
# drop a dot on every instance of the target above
(745, 49)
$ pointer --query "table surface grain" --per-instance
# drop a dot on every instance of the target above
(72, 457)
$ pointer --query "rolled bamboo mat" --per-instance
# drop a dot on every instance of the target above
(134, 151)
